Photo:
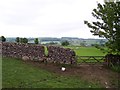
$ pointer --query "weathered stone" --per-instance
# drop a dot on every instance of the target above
(112, 59)
(18, 50)
(61, 55)
(25, 58)
(37, 53)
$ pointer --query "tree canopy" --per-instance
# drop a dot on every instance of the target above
(22, 40)
(65, 43)
(17, 39)
(107, 24)
(2, 38)
(36, 41)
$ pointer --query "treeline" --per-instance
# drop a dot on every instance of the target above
(36, 41)
(20, 40)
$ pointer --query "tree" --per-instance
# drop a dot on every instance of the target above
(65, 43)
(21, 40)
(36, 41)
(3, 39)
(25, 40)
(17, 39)
(107, 25)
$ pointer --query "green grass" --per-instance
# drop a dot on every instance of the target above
(46, 51)
(17, 74)
(115, 68)
(86, 51)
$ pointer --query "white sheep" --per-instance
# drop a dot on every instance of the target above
(63, 68)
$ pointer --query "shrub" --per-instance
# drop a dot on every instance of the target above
(2, 38)
(65, 43)
(36, 41)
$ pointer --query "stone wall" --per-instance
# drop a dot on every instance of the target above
(37, 53)
(61, 55)
(114, 59)
(24, 51)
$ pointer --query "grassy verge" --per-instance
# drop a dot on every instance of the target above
(17, 74)
(115, 68)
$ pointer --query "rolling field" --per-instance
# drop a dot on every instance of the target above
(17, 74)
(86, 51)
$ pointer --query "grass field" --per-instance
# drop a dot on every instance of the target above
(86, 51)
(17, 74)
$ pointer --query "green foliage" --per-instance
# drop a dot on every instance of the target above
(65, 43)
(115, 68)
(17, 39)
(23, 40)
(46, 50)
(2, 38)
(107, 25)
(36, 41)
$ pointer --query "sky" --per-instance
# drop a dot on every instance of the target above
(46, 18)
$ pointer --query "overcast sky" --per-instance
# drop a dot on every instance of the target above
(46, 18)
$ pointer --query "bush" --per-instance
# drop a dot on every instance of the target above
(113, 62)
(2, 38)
(65, 43)
(36, 41)
(17, 39)
(23, 40)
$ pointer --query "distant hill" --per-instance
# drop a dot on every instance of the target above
(87, 42)
(49, 39)
(72, 40)
(10, 39)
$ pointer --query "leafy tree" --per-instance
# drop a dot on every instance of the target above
(21, 40)
(107, 25)
(36, 41)
(25, 40)
(17, 39)
(65, 43)
(3, 39)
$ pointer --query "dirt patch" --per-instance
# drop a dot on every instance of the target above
(92, 73)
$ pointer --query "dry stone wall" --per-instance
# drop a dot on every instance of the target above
(61, 55)
(114, 59)
(24, 51)
(37, 53)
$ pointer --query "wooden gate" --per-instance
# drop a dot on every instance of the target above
(90, 59)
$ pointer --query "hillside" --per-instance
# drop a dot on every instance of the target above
(72, 40)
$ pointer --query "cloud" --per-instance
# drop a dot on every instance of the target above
(36, 18)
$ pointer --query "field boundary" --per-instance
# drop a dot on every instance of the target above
(90, 59)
